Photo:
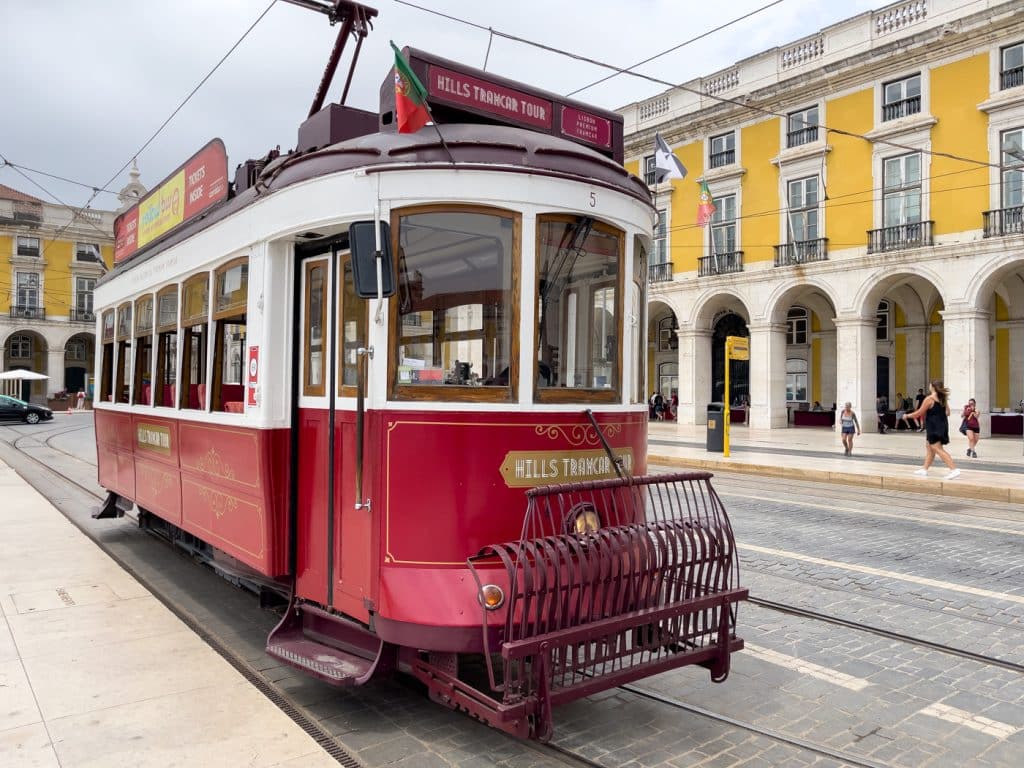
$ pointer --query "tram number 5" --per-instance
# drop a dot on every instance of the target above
(593, 199)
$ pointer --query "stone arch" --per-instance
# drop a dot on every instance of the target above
(998, 290)
(712, 303)
(925, 282)
(32, 355)
(806, 293)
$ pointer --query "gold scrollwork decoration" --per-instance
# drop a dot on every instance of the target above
(159, 482)
(577, 434)
(212, 463)
(220, 503)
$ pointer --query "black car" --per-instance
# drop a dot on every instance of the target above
(11, 408)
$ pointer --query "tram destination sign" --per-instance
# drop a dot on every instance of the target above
(457, 93)
(197, 184)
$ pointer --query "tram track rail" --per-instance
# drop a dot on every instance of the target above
(562, 754)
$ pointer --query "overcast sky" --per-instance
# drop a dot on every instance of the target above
(86, 83)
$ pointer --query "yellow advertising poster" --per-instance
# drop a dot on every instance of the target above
(163, 210)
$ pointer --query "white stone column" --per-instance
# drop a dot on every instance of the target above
(55, 370)
(856, 368)
(827, 367)
(966, 369)
(694, 376)
(768, 376)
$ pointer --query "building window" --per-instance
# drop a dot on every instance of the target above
(650, 171)
(1012, 192)
(723, 225)
(28, 246)
(1011, 72)
(796, 322)
(87, 252)
(21, 347)
(796, 380)
(802, 127)
(723, 150)
(882, 331)
(75, 350)
(901, 98)
(83, 297)
(667, 338)
(28, 290)
(668, 381)
(803, 209)
(901, 194)
(661, 238)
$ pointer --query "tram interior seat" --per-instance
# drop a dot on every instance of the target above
(234, 406)
(196, 396)
(232, 395)
(168, 393)
(147, 394)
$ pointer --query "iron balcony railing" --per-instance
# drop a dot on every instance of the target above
(718, 159)
(28, 250)
(1011, 78)
(660, 273)
(651, 178)
(802, 136)
(720, 264)
(81, 316)
(801, 252)
(900, 237)
(27, 312)
(901, 108)
(1004, 221)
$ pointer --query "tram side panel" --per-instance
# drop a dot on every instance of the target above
(227, 485)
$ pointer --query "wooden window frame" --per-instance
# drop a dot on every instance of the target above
(563, 394)
(343, 258)
(161, 333)
(314, 390)
(454, 393)
(138, 374)
(108, 335)
(188, 322)
(124, 345)
(232, 310)
(221, 318)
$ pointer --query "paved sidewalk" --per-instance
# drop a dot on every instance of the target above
(94, 671)
(879, 461)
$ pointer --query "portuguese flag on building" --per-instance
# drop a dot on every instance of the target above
(410, 97)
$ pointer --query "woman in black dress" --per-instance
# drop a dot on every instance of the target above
(935, 412)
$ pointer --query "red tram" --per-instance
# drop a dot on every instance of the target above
(443, 468)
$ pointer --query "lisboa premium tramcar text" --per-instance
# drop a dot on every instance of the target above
(400, 377)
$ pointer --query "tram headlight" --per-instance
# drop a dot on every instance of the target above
(491, 597)
(584, 519)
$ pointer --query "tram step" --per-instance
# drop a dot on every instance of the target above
(332, 665)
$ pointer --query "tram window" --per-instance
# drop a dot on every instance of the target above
(195, 301)
(124, 353)
(107, 373)
(143, 387)
(456, 308)
(231, 296)
(165, 386)
(353, 330)
(638, 317)
(316, 317)
(578, 310)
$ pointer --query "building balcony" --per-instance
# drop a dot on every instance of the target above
(27, 312)
(1004, 221)
(718, 159)
(802, 136)
(651, 178)
(902, 108)
(900, 237)
(660, 273)
(81, 316)
(720, 264)
(801, 252)
(1011, 78)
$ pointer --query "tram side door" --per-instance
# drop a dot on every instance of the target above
(333, 539)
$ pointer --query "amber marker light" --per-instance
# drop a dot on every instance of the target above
(587, 521)
(491, 597)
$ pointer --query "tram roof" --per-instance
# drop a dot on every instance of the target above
(472, 146)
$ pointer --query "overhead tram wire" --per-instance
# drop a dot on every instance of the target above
(4, 161)
(694, 91)
(163, 125)
(675, 48)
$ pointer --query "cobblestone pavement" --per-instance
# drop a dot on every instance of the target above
(931, 568)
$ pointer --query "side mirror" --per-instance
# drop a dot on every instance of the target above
(362, 240)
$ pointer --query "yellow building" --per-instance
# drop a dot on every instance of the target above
(53, 255)
(868, 233)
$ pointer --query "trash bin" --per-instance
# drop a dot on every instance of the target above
(716, 427)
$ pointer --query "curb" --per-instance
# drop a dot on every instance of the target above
(956, 488)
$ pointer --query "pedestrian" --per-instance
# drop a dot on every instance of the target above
(674, 405)
(934, 410)
(659, 406)
(881, 407)
(902, 407)
(970, 427)
(849, 424)
(80, 404)
(651, 405)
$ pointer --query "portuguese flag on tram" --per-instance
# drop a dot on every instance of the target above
(410, 97)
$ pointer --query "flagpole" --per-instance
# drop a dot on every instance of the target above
(437, 128)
